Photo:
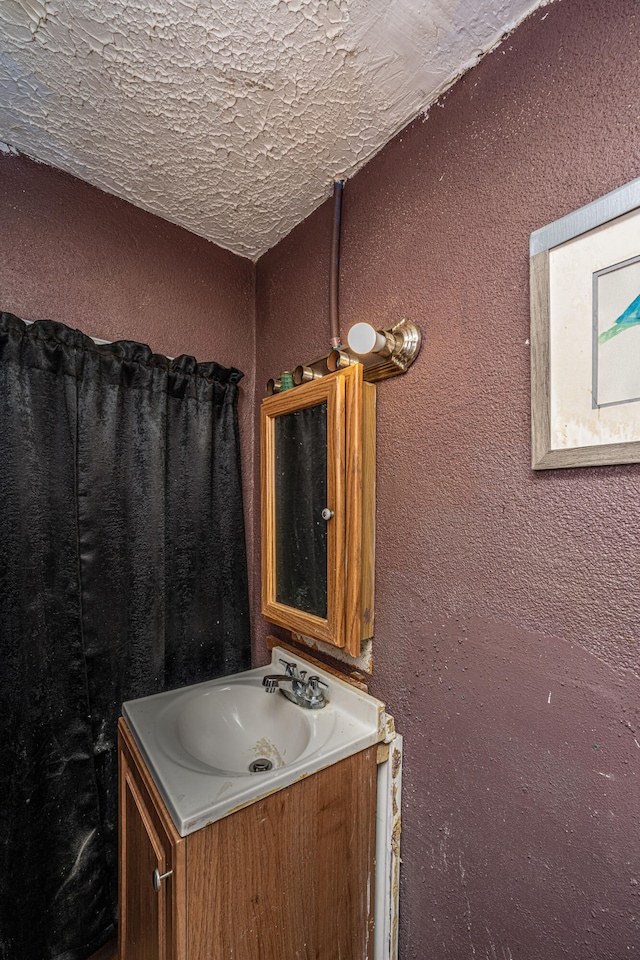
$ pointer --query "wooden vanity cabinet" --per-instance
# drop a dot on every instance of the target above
(291, 875)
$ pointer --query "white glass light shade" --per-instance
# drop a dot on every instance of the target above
(363, 339)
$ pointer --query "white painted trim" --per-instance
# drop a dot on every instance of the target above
(388, 828)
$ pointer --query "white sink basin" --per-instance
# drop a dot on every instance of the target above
(202, 744)
(229, 727)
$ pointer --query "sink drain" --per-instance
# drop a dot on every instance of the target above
(261, 765)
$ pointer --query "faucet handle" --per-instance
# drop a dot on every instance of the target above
(290, 668)
(313, 691)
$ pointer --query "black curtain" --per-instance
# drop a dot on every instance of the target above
(122, 573)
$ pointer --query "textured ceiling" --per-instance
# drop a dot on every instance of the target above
(229, 117)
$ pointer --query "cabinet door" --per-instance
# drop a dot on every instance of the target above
(318, 498)
(149, 922)
(303, 457)
(291, 877)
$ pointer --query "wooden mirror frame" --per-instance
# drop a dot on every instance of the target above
(351, 497)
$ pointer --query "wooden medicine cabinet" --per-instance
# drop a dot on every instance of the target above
(318, 508)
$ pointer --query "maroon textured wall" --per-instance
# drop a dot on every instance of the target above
(72, 253)
(507, 628)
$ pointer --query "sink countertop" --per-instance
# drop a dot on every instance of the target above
(195, 790)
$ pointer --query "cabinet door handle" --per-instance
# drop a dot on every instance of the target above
(159, 877)
(327, 514)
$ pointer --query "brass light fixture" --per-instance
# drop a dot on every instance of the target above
(303, 374)
(384, 352)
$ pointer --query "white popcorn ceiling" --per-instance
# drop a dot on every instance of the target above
(229, 117)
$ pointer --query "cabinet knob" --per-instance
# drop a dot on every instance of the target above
(327, 514)
(159, 877)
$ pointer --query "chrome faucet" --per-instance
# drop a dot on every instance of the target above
(306, 693)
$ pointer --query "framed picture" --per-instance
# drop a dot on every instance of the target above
(585, 335)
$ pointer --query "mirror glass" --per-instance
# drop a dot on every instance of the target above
(301, 496)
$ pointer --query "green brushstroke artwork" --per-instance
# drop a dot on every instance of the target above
(629, 318)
